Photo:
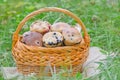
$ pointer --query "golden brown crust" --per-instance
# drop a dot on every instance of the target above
(52, 39)
(71, 36)
(59, 26)
(40, 26)
(32, 38)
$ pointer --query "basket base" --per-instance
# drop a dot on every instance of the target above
(49, 70)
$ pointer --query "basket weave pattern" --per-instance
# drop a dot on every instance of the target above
(31, 58)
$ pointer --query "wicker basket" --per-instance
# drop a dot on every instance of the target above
(32, 59)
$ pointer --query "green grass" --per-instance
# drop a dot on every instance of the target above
(101, 18)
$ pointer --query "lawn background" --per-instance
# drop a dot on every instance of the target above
(101, 18)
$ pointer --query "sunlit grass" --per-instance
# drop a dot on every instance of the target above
(101, 18)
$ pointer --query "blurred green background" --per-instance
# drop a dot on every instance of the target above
(101, 18)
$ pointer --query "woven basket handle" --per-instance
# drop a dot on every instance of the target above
(53, 9)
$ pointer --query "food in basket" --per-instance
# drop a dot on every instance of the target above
(71, 36)
(78, 27)
(40, 26)
(52, 39)
(59, 26)
(43, 34)
(32, 38)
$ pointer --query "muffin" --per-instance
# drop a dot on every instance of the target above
(40, 26)
(32, 38)
(58, 27)
(52, 39)
(71, 36)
